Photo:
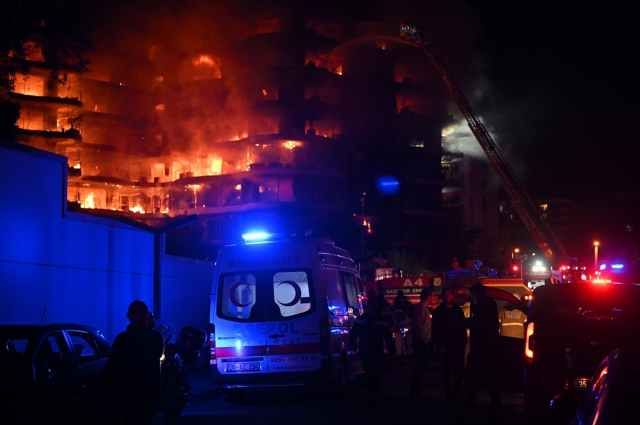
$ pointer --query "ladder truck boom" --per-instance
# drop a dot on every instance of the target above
(527, 210)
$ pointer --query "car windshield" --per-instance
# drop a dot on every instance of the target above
(265, 294)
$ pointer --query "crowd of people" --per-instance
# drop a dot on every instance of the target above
(133, 368)
(443, 331)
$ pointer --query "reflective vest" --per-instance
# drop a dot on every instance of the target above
(512, 323)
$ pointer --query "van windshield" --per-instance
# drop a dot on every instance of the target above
(265, 295)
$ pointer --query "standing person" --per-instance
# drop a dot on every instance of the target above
(372, 329)
(450, 338)
(512, 320)
(481, 364)
(133, 367)
(402, 302)
(421, 330)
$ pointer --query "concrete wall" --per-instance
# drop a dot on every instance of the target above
(186, 291)
(81, 268)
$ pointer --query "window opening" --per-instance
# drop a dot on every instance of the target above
(352, 290)
(335, 293)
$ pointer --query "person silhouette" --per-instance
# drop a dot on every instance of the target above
(133, 367)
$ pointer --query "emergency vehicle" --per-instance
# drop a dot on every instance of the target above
(281, 312)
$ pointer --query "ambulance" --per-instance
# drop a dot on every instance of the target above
(281, 312)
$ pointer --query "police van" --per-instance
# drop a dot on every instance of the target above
(281, 312)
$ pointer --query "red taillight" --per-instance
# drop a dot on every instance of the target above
(529, 343)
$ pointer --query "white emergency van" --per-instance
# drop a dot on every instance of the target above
(281, 312)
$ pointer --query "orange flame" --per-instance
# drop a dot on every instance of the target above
(291, 144)
(88, 202)
(137, 209)
(203, 60)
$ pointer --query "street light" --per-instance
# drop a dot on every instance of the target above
(521, 258)
(595, 268)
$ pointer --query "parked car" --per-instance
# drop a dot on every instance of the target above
(48, 371)
(610, 395)
(571, 327)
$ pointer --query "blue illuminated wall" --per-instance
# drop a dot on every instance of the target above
(83, 269)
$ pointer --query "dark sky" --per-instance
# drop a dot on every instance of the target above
(562, 94)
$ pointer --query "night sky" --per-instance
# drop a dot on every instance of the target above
(562, 93)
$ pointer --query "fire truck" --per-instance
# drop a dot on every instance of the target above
(520, 199)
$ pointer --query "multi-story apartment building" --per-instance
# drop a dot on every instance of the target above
(284, 126)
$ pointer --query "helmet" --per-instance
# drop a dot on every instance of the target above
(515, 294)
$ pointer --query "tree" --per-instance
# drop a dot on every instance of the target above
(49, 31)
(404, 261)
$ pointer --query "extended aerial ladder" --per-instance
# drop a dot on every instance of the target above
(527, 210)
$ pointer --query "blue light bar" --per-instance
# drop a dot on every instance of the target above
(387, 185)
(256, 236)
(617, 266)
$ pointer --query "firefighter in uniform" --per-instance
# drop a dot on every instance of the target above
(512, 320)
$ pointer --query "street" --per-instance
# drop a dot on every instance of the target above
(311, 406)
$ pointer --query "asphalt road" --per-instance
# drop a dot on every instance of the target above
(309, 406)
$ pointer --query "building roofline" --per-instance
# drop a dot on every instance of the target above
(18, 147)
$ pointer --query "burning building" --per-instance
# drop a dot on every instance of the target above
(283, 124)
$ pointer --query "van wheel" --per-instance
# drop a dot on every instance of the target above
(233, 395)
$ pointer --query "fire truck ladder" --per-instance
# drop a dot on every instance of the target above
(527, 210)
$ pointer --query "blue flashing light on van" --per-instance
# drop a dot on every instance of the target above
(255, 236)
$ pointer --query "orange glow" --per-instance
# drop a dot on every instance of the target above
(528, 344)
(291, 144)
(203, 60)
(216, 166)
(88, 202)
(264, 92)
(238, 187)
(367, 224)
(29, 85)
(137, 209)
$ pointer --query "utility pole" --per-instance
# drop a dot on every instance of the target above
(362, 225)
(158, 249)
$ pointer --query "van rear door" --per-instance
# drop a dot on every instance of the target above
(293, 328)
(241, 344)
(267, 321)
